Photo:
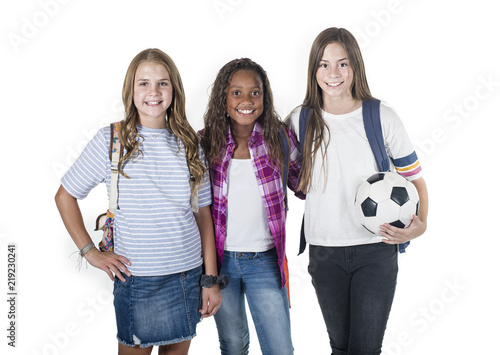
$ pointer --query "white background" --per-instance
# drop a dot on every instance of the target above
(436, 62)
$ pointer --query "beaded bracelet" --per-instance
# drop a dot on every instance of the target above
(86, 249)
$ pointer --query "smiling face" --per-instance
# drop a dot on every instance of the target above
(335, 74)
(152, 93)
(245, 99)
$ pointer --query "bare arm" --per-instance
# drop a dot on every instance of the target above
(419, 223)
(212, 297)
(71, 215)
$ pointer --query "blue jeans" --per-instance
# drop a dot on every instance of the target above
(256, 276)
(355, 287)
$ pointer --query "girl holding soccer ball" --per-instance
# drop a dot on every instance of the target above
(353, 271)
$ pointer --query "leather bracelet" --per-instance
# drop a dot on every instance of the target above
(209, 280)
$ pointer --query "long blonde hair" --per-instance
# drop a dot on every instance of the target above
(177, 121)
(315, 132)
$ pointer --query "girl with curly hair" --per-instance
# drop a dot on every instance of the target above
(243, 144)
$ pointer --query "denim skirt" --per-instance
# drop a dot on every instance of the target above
(157, 310)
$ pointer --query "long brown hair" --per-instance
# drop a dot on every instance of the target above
(177, 121)
(315, 132)
(217, 121)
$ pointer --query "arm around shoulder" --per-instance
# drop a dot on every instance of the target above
(295, 165)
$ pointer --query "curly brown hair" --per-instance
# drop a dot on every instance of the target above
(177, 121)
(217, 122)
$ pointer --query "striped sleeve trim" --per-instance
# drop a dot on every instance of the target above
(408, 166)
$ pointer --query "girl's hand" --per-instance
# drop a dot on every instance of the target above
(110, 263)
(396, 235)
(212, 299)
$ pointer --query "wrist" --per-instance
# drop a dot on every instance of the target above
(208, 281)
(87, 249)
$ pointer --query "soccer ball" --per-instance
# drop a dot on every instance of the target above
(386, 198)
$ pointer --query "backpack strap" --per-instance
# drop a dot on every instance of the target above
(305, 114)
(106, 220)
(194, 194)
(115, 150)
(285, 146)
(373, 130)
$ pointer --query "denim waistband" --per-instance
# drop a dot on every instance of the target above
(249, 255)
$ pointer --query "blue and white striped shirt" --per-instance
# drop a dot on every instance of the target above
(154, 226)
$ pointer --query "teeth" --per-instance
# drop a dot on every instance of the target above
(333, 84)
(245, 112)
(153, 102)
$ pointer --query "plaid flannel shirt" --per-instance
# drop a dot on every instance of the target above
(270, 185)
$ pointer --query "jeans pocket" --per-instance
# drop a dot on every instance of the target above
(265, 262)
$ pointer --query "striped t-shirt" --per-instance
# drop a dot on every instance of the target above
(154, 226)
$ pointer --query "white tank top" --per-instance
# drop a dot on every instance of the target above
(247, 227)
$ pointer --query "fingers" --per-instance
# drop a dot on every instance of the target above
(117, 266)
(124, 261)
(111, 276)
(211, 301)
(110, 263)
(210, 311)
(213, 307)
(204, 306)
(116, 270)
(394, 235)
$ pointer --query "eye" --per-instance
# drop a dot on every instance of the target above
(143, 83)
(256, 93)
(323, 65)
(236, 93)
(164, 83)
(343, 65)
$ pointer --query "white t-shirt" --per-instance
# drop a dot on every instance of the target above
(330, 219)
(154, 226)
(247, 226)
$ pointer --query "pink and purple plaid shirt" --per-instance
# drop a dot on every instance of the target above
(270, 186)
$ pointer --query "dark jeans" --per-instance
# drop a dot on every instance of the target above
(355, 287)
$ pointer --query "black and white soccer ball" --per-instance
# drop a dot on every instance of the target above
(386, 198)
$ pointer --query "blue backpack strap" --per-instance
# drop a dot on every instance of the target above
(402, 247)
(305, 114)
(285, 147)
(373, 129)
